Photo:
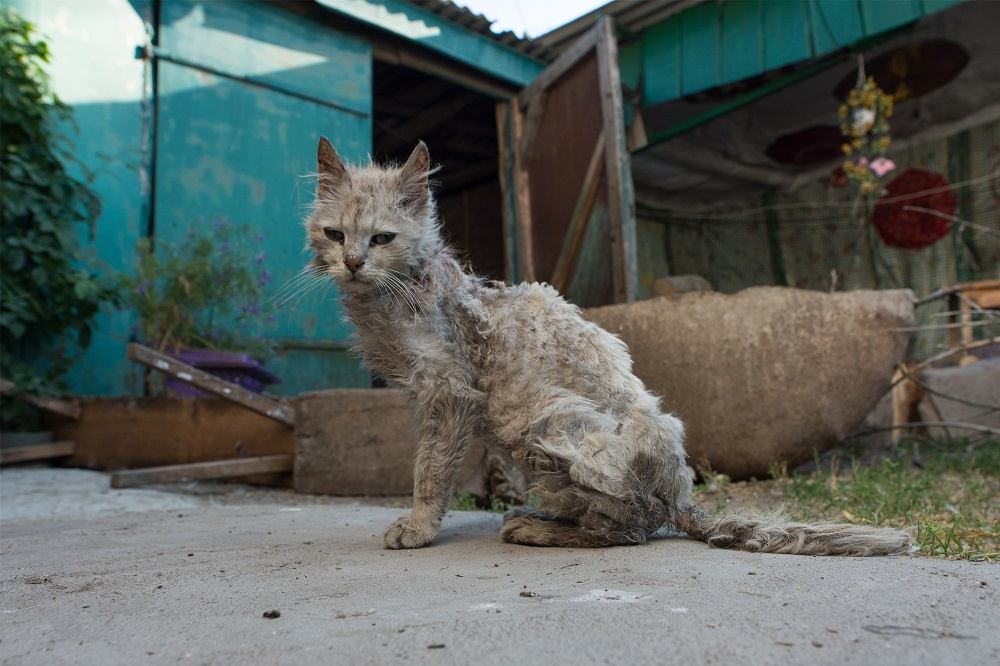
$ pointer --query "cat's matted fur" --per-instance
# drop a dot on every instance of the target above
(519, 366)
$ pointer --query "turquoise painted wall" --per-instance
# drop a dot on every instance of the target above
(93, 69)
(227, 147)
(721, 42)
(244, 90)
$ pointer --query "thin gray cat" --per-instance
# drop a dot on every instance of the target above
(518, 366)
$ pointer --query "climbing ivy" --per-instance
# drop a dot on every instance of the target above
(50, 294)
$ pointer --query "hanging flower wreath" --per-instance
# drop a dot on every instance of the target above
(864, 122)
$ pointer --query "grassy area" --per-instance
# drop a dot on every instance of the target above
(952, 503)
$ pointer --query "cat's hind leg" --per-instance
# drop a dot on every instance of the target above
(537, 528)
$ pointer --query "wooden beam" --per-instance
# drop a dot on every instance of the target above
(413, 129)
(220, 469)
(270, 407)
(60, 407)
(471, 173)
(505, 164)
(30, 452)
(621, 198)
(522, 194)
(565, 62)
(565, 268)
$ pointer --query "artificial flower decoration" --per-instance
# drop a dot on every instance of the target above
(864, 122)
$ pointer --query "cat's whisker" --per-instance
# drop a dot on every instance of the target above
(404, 291)
(395, 290)
(300, 291)
(292, 283)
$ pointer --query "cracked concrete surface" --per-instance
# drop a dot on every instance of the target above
(184, 575)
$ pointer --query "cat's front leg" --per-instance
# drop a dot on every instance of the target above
(446, 428)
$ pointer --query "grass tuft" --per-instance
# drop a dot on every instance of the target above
(951, 503)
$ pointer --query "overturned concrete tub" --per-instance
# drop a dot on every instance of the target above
(767, 375)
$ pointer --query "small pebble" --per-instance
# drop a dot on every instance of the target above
(272, 614)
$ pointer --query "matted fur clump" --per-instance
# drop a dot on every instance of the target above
(519, 367)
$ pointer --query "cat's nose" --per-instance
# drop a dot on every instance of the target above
(353, 263)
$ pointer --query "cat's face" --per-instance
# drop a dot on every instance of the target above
(368, 223)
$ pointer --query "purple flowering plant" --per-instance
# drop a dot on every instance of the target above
(205, 291)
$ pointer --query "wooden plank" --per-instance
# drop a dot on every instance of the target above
(565, 62)
(701, 51)
(883, 16)
(661, 62)
(835, 24)
(786, 33)
(522, 194)
(621, 200)
(122, 433)
(270, 407)
(60, 407)
(742, 41)
(220, 469)
(573, 242)
(505, 170)
(19, 454)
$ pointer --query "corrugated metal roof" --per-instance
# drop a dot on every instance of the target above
(629, 15)
(478, 23)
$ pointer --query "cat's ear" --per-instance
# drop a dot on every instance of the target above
(413, 178)
(331, 172)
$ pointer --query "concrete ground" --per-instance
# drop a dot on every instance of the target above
(184, 574)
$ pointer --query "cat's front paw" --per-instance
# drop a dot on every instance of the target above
(404, 534)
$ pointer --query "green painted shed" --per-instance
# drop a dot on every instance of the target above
(634, 142)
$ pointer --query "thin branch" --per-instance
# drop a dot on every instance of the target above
(951, 398)
(954, 219)
(940, 327)
(929, 424)
(945, 354)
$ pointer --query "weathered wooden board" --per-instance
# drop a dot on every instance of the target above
(121, 433)
(31, 452)
(360, 442)
(219, 469)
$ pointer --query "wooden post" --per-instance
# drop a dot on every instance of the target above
(221, 469)
(621, 198)
(270, 407)
(522, 193)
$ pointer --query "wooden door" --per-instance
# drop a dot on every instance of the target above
(568, 202)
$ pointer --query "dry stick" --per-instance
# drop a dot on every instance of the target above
(930, 424)
(952, 218)
(940, 327)
(951, 313)
(943, 355)
(949, 397)
(992, 314)
(270, 407)
(61, 407)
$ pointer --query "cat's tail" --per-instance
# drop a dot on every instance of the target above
(775, 533)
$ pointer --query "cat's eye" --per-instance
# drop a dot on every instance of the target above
(382, 239)
(334, 234)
